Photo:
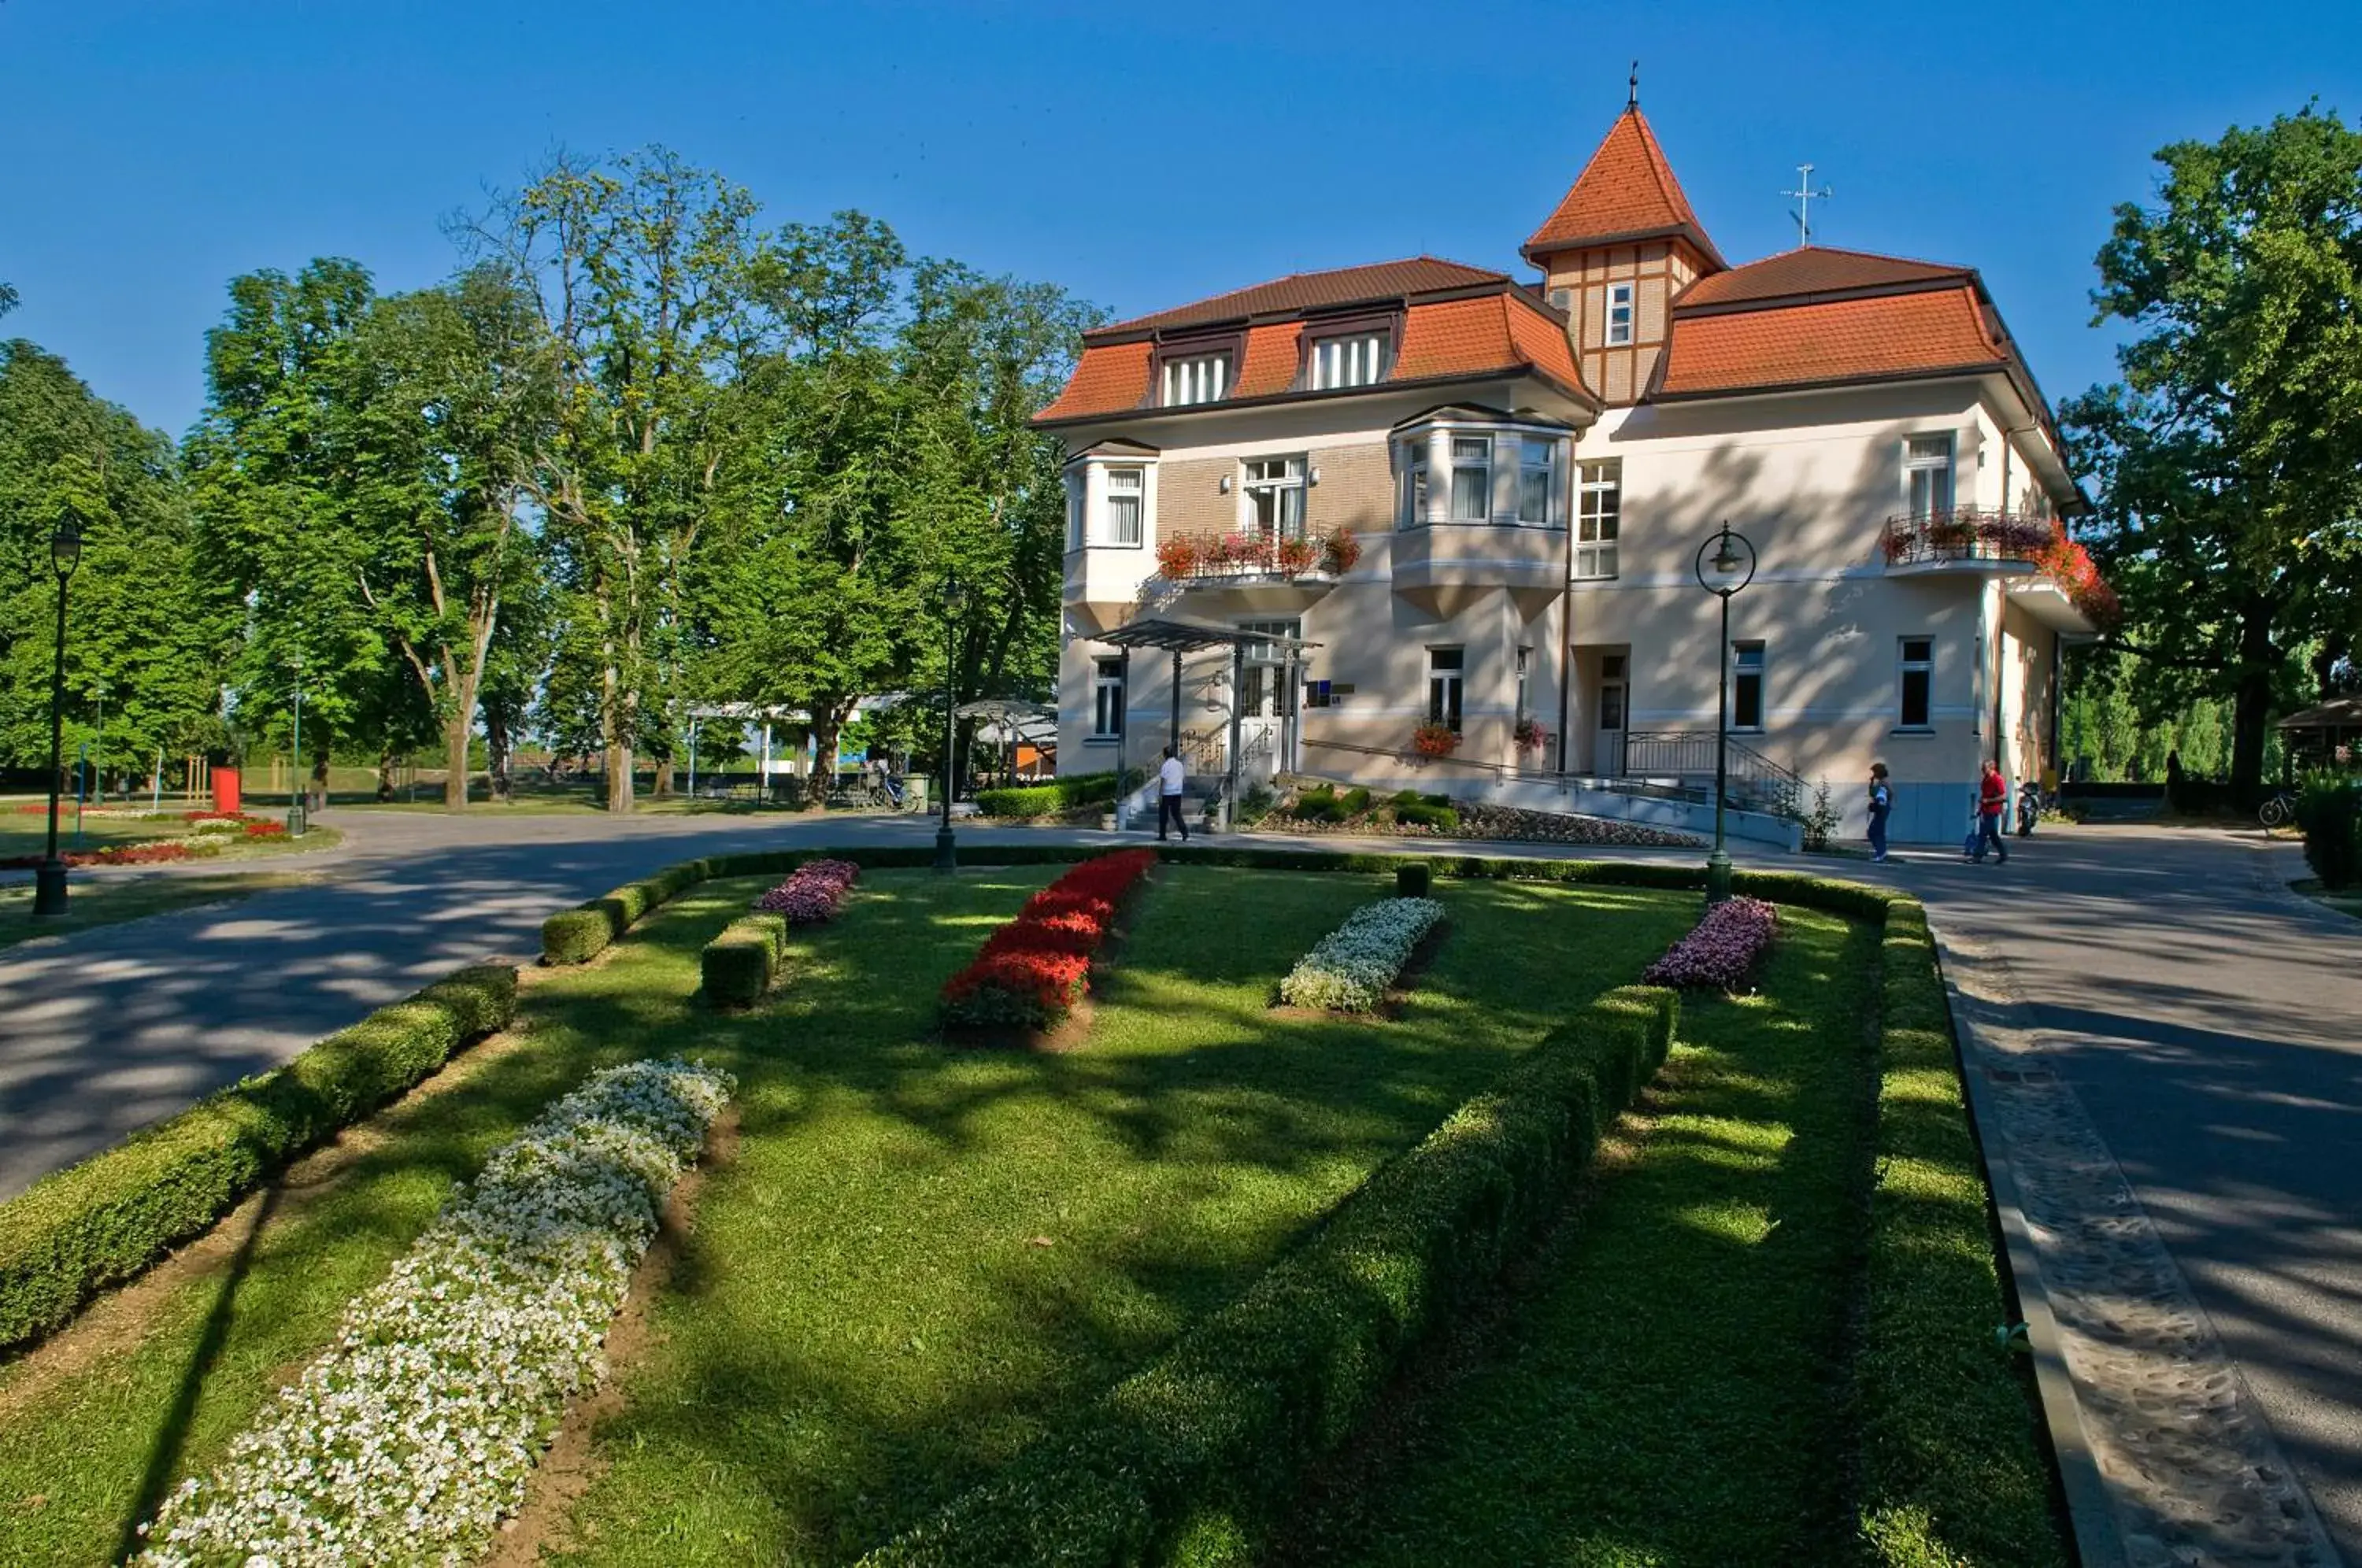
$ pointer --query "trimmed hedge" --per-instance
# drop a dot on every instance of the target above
(100, 1223)
(1188, 1459)
(738, 965)
(1412, 880)
(1067, 794)
(1952, 1469)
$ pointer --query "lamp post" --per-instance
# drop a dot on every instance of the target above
(298, 797)
(49, 879)
(955, 603)
(1731, 569)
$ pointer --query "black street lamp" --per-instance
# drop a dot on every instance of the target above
(49, 877)
(954, 605)
(1732, 569)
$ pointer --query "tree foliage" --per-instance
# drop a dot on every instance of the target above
(147, 633)
(2229, 457)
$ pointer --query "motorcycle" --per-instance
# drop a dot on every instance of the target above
(2029, 807)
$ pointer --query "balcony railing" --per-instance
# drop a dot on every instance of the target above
(1230, 556)
(1969, 534)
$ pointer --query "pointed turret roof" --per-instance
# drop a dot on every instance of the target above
(1626, 193)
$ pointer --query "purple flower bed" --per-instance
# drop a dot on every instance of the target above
(1721, 951)
(813, 894)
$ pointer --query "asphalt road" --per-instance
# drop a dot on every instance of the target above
(2210, 1020)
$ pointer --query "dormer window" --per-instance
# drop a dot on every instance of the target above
(1200, 378)
(1356, 360)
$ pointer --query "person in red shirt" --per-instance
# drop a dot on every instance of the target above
(1992, 800)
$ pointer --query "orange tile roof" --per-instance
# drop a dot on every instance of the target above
(1504, 331)
(1813, 269)
(1627, 191)
(1271, 360)
(1882, 337)
(1314, 291)
(1111, 377)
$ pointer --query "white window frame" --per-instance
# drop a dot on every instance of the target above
(1125, 483)
(1906, 666)
(1259, 482)
(1547, 449)
(1447, 688)
(1941, 470)
(1598, 518)
(1410, 504)
(1077, 501)
(1480, 466)
(1355, 359)
(1107, 676)
(1748, 662)
(1622, 316)
(1197, 378)
(1524, 684)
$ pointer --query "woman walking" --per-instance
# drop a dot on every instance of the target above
(1882, 804)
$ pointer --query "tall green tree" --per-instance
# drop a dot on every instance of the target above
(637, 272)
(2229, 457)
(453, 397)
(276, 476)
(146, 626)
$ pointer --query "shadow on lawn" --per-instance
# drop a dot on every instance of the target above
(164, 1455)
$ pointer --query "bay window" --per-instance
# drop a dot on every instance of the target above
(1534, 454)
(1124, 495)
(1472, 479)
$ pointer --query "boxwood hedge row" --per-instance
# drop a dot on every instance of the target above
(1186, 1460)
(100, 1223)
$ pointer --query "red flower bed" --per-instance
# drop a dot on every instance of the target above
(1033, 971)
(266, 830)
(146, 854)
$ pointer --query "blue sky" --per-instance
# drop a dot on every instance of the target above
(1141, 156)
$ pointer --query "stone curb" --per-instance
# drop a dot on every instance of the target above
(2164, 1457)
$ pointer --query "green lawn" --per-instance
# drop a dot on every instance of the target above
(111, 901)
(867, 1318)
(2346, 900)
(1661, 1385)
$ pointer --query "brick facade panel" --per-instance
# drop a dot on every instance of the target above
(1189, 499)
(1356, 490)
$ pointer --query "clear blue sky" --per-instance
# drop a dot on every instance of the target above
(150, 149)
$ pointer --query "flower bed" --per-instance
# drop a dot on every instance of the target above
(813, 894)
(1351, 968)
(414, 1436)
(1720, 952)
(1474, 819)
(1033, 971)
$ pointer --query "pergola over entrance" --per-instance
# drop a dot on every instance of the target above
(1176, 636)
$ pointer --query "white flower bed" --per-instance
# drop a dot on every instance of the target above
(1353, 965)
(413, 1437)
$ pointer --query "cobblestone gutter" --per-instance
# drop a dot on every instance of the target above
(2165, 1460)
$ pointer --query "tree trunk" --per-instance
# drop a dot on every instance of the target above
(663, 791)
(496, 756)
(2251, 704)
(319, 780)
(454, 754)
(385, 775)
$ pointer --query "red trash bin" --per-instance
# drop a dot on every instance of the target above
(226, 795)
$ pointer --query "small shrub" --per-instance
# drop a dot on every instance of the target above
(738, 965)
(1070, 792)
(1411, 879)
(1356, 800)
(1442, 819)
(2329, 811)
(573, 937)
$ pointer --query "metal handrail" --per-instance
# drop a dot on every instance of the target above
(1966, 534)
(1768, 787)
(1690, 754)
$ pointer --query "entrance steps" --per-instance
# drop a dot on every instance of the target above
(1654, 804)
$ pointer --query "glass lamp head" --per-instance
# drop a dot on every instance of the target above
(66, 546)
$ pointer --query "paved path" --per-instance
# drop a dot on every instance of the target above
(2205, 1023)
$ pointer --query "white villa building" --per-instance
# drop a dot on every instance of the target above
(1377, 513)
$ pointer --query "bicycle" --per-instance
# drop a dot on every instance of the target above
(2279, 810)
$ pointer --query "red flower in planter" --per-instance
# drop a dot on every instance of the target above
(1435, 740)
(1340, 550)
(1181, 557)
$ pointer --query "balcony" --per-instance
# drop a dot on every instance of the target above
(2061, 588)
(1256, 572)
(2006, 542)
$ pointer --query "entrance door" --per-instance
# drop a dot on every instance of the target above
(1266, 704)
(1608, 750)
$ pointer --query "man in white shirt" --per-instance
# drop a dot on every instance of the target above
(1170, 778)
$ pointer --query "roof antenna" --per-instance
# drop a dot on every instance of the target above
(1633, 101)
(1803, 196)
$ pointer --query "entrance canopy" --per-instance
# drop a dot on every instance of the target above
(1175, 634)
